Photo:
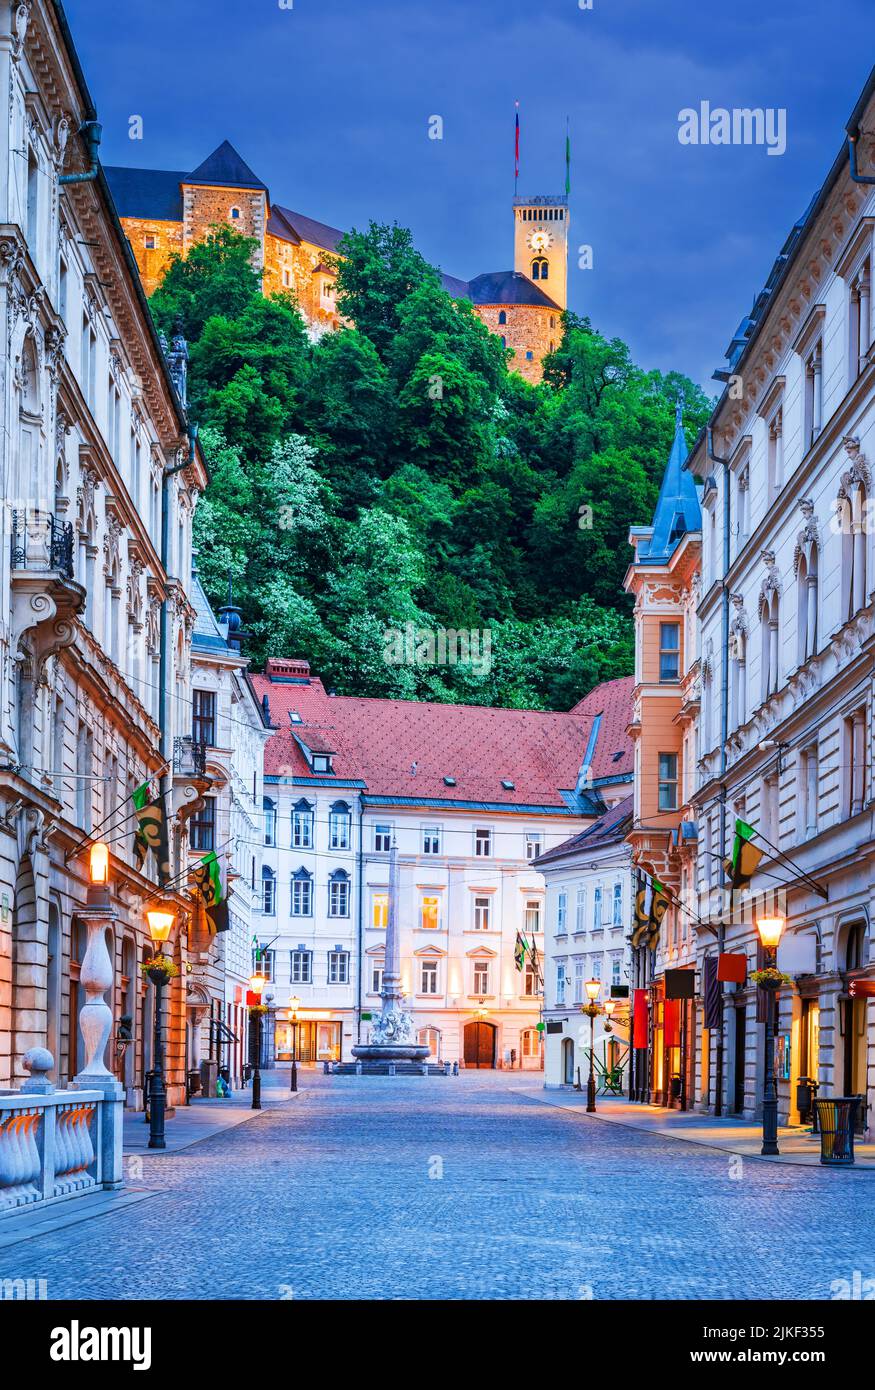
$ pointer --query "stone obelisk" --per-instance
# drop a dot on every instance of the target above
(392, 1035)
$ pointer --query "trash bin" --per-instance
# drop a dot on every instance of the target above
(836, 1116)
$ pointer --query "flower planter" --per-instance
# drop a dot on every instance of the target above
(158, 977)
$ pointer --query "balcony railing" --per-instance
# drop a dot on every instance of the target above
(41, 544)
(189, 758)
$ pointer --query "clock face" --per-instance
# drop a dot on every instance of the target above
(540, 240)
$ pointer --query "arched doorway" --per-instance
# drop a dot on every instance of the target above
(480, 1044)
(431, 1038)
(567, 1062)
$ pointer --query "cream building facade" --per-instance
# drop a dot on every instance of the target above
(95, 611)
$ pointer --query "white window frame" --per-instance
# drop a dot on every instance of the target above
(482, 911)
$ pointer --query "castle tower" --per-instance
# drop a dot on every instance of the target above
(540, 243)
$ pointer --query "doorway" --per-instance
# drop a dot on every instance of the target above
(480, 1044)
(854, 1068)
(567, 1062)
(740, 1048)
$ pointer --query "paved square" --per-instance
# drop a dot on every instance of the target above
(460, 1188)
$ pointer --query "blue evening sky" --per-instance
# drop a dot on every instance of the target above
(329, 102)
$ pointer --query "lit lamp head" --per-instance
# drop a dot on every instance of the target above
(256, 984)
(770, 930)
(294, 1006)
(593, 989)
(98, 872)
(160, 925)
(609, 1006)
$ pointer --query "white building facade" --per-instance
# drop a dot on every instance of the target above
(470, 797)
(588, 916)
(790, 480)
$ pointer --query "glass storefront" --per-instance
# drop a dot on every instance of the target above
(319, 1040)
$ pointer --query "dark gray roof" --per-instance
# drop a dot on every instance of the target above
(207, 634)
(283, 221)
(609, 829)
(508, 287)
(152, 193)
(226, 169)
(459, 289)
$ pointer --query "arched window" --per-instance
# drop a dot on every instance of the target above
(302, 825)
(338, 894)
(769, 634)
(339, 824)
(853, 512)
(235, 214)
(856, 952)
(268, 891)
(502, 316)
(806, 602)
(302, 893)
(269, 811)
(430, 1038)
(540, 268)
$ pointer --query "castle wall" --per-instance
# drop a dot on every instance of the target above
(531, 331)
(154, 260)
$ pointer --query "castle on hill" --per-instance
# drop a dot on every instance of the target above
(165, 212)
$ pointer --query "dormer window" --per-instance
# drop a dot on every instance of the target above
(322, 762)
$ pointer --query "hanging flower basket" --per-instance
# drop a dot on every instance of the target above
(257, 1009)
(159, 969)
(770, 978)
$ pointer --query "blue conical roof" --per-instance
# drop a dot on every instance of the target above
(677, 508)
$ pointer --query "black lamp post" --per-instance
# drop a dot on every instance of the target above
(160, 926)
(256, 984)
(592, 1011)
(770, 929)
(294, 1006)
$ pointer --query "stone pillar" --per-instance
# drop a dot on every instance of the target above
(817, 393)
(865, 317)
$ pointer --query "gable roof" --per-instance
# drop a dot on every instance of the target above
(508, 287)
(225, 168)
(404, 749)
(152, 193)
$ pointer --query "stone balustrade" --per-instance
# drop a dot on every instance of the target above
(56, 1144)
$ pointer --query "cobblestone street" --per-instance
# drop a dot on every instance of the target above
(460, 1188)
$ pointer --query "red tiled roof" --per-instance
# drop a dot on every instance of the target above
(405, 748)
(613, 701)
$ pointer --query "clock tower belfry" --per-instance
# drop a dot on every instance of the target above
(540, 243)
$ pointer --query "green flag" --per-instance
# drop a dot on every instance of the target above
(519, 951)
(151, 832)
(742, 864)
(207, 875)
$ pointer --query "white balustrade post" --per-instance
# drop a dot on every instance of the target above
(95, 1022)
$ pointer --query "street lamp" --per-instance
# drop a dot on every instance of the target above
(609, 1006)
(160, 926)
(592, 1010)
(256, 984)
(294, 1006)
(770, 930)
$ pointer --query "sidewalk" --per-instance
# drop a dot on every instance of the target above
(744, 1137)
(203, 1118)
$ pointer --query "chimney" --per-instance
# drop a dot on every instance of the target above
(287, 670)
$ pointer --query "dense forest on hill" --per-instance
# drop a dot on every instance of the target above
(396, 474)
